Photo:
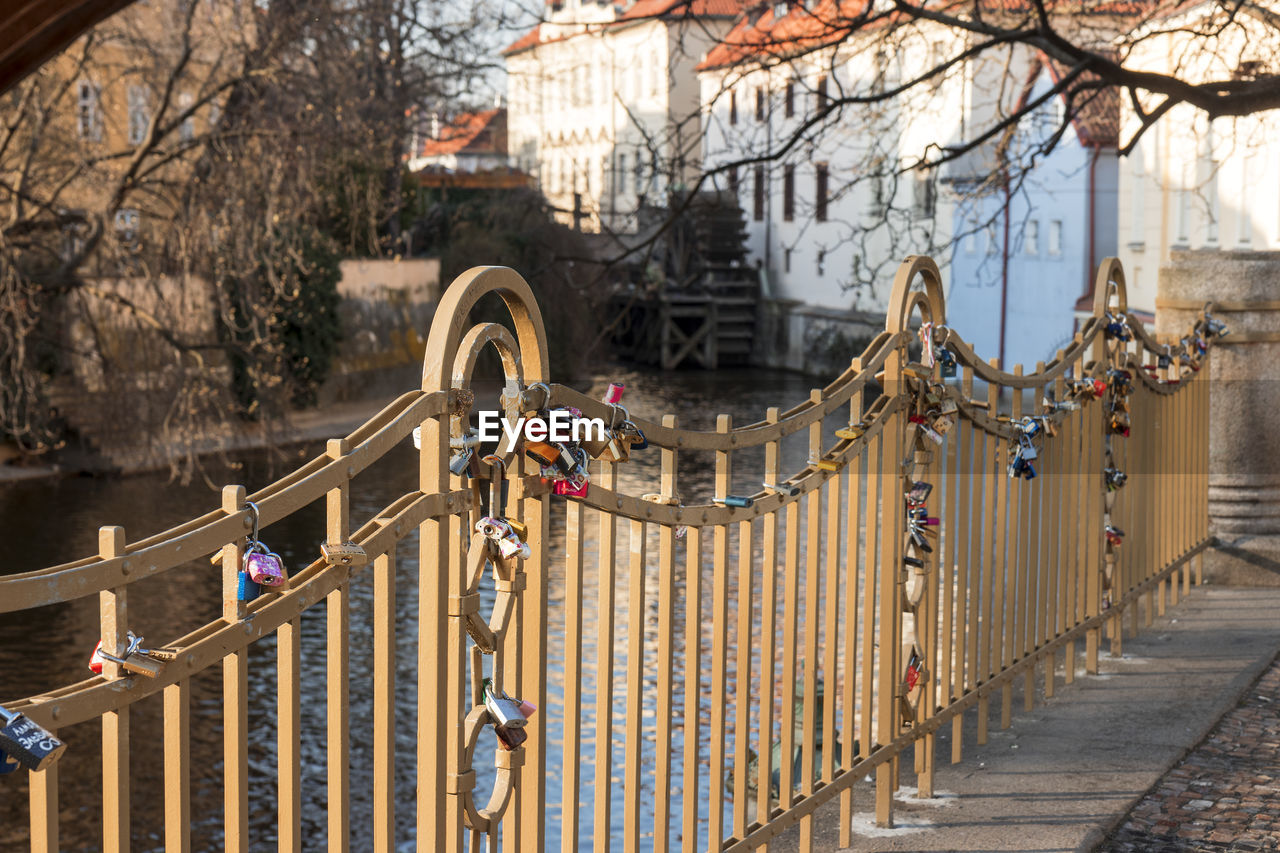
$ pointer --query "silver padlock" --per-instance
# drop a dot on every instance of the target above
(459, 461)
(504, 710)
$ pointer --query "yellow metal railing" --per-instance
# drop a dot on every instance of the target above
(742, 660)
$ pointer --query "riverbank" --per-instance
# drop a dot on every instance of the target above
(308, 425)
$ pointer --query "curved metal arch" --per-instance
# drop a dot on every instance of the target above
(452, 313)
(903, 300)
(1110, 272)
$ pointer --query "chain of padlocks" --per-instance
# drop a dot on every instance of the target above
(500, 542)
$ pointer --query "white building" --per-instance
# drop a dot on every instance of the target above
(832, 218)
(603, 103)
(472, 142)
(1027, 250)
(1191, 183)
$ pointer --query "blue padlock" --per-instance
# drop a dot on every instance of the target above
(246, 589)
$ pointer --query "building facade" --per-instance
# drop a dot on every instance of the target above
(1026, 249)
(603, 104)
(1191, 183)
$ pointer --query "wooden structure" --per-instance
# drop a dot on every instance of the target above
(809, 584)
(706, 313)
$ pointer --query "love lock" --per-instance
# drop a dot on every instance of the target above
(504, 535)
(136, 660)
(26, 743)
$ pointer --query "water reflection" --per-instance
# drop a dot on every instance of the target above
(50, 522)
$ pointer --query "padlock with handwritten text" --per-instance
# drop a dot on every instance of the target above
(27, 742)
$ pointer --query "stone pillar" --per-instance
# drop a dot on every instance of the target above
(1244, 432)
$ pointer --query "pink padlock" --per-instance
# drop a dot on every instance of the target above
(613, 396)
(527, 709)
(264, 567)
(574, 487)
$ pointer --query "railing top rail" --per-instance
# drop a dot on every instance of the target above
(204, 535)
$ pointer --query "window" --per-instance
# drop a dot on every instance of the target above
(786, 260)
(780, 9)
(925, 193)
(88, 124)
(1055, 237)
(992, 241)
(620, 177)
(187, 130)
(733, 107)
(759, 103)
(139, 114)
(655, 69)
(1031, 237)
(1244, 223)
(788, 192)
(733, 181)
(820, 194)
(879, 203)
(639, 176)
(881, 72)
(790, 100)
(971, 238)
(126, 224)
(822, 261)
(757, 212)
(820, 94)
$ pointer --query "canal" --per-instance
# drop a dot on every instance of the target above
(55, 521)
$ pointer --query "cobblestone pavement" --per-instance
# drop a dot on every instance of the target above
(1225, 795)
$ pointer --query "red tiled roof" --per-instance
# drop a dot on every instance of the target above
(468, 133)
(830, 21)
(639, 11)
(675, 8)
(1097, 111)
(525, 41)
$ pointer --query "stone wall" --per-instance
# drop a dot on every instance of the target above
(1244, 435)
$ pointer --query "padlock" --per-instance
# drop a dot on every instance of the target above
(739, 501)
(246, 589)
(510, 738)
(550, 455)
(633, 435)
(943, 424)
(460, 461)
(786, 489)
(919, 423)
(343, 553)
(1114, 534)
(852, 432)
(519, 528)
(919, 540)
(1115, 478)
(27, 742)
(264, 567)
(915, 670)
(914, 562)
(947, 362)
(919, 492)
(613, 448)
(1030, 427)
(574, 486)
(504, 710)
(827, 464)
(1027, 450)
(135, 660)
(1164, 359)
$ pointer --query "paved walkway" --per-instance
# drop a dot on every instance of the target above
(1225, 795)
(1065, 775)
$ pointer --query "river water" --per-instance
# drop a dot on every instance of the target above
(50, 522)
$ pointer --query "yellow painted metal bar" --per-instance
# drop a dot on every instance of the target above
(848, 675)
(289, 735)
(666, 653)
(572, 754)
(812, 654)
(384, 703)
(768, 631)
(633, 796)
(719, 652)
(605, 700)
(177, 767)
